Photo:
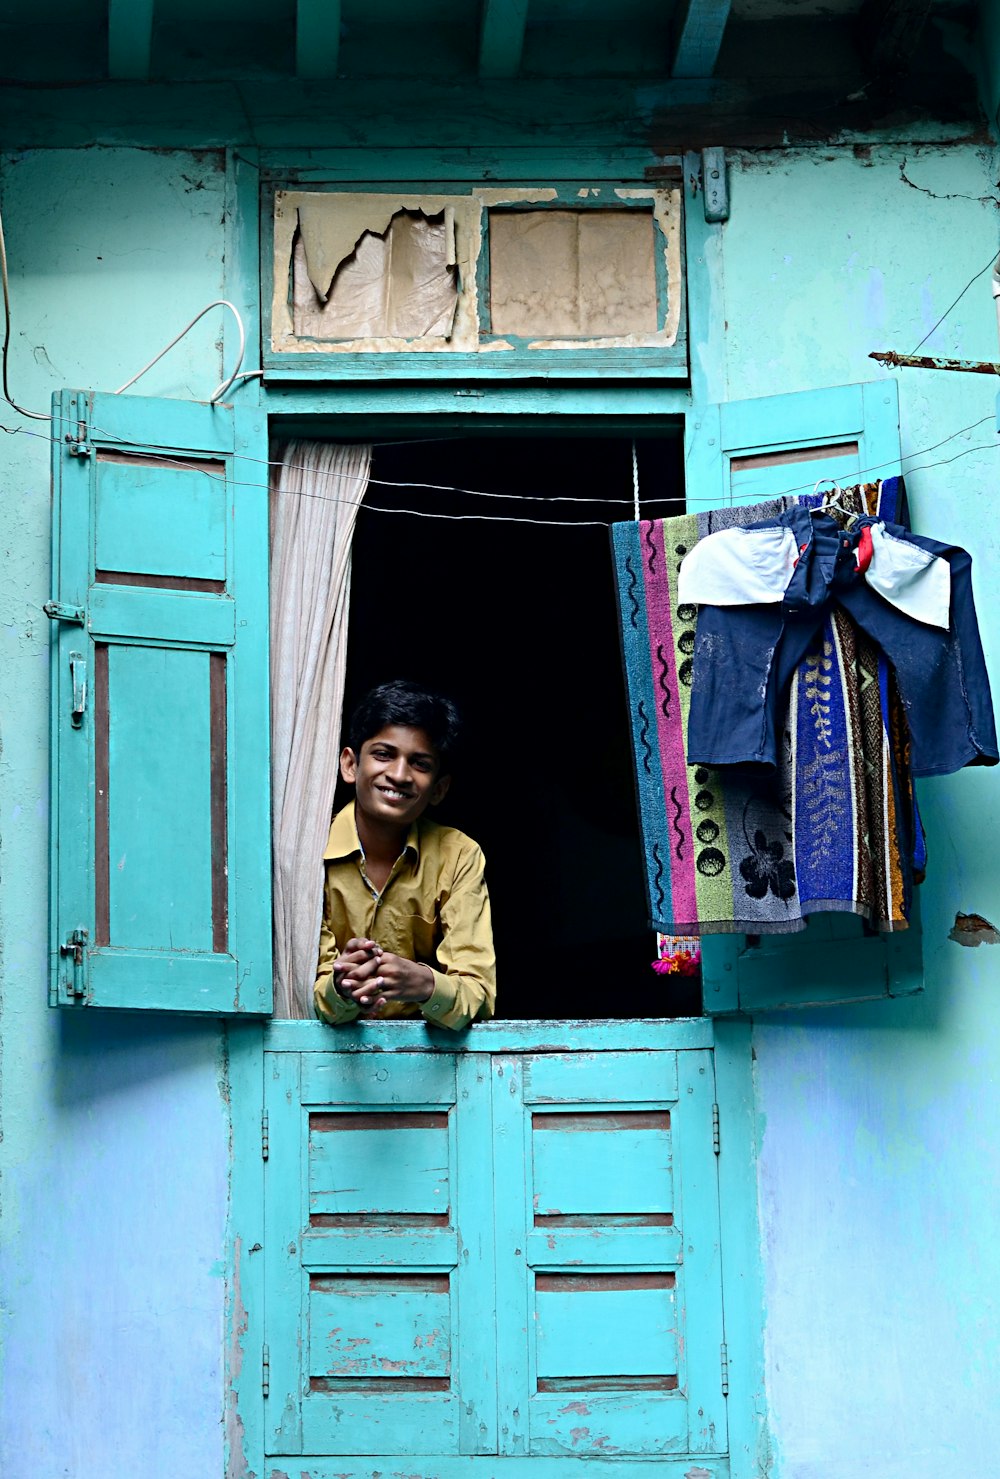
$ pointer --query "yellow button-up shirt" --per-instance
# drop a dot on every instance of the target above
(434, 908)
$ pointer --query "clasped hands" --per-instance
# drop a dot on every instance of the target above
(372, 977)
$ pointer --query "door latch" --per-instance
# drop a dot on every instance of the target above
(78, 677)
(75, 946)
(60, 611)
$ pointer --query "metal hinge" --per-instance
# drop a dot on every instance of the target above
(59, 611)
(75, 946)
(715, 1129)
(714, 184)
(265, 1371)
(78, 442)
(724, 1363)
(265, 1140)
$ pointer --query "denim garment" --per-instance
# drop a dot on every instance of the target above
(745, 656)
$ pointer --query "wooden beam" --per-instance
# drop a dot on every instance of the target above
(698, 36)
(501, 37)
(317, 37)
(130, 38)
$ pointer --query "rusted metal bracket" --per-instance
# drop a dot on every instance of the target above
(934, 362)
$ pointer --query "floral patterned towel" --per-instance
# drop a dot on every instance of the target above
(837, 829)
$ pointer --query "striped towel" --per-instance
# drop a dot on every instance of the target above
(837, 829)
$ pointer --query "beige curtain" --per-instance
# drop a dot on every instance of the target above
(314, 503)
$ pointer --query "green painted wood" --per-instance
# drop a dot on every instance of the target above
(514, 1312)
(167, 980)
(159, 699)
(241, 1083)
(242, 249)
(161, 617)
(628, 1170)
(704, 301)
(355, 1170)
(378, 1253)
(660, 363)
(437, 1466)
(130, 38)
(132, 533)
(623, 1236)
(697, 1216)
(478, 1196)
(597, 1350)
(742, 1274)
(161, 846)
(284, 1328)
(416, 1084)
(341, 1249)
(535, 1037)
(317, 37)
(698, 32)
(740, 452)
(533, 410)
(501, 37)
(558, 163)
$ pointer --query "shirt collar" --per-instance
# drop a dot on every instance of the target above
(344, 841)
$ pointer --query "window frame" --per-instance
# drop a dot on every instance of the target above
(570, 359)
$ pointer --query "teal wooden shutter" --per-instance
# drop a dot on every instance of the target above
(743, 452)
(609, 1308)
(468, 1254)
(378, 1253)
(160, 886)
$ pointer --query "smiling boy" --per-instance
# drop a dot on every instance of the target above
(406, 916)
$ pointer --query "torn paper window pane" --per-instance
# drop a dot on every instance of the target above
(390, 274)
(559, 274)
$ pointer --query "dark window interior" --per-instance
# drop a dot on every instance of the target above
(517, 622)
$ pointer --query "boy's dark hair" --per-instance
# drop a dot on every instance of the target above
(408, 704)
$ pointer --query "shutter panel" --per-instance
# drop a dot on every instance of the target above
(609, 1308)
(378, 1257)
(160, 749)
(743, 452)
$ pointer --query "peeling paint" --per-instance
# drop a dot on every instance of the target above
(973, 929)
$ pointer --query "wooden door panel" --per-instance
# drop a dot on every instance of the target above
(379, 1249)
(598, 1350)
(515, 1255)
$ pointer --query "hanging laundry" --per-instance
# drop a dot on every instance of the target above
(833, 824)
(762, 594)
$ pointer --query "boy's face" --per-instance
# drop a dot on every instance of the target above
(396, 776)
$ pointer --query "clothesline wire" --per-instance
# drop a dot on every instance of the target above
(549, 523)
(186, 465)
(982, 271)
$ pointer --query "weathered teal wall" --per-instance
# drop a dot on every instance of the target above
(877, 1162)
(879, 1166)
(115, 1130)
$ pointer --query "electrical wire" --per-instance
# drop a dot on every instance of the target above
(549, 498)
(225, 384)
(981, 273)
(4, 353)
(565, 523)
(186, 465)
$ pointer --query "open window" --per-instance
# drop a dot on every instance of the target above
(513, 614)
(505, 281)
